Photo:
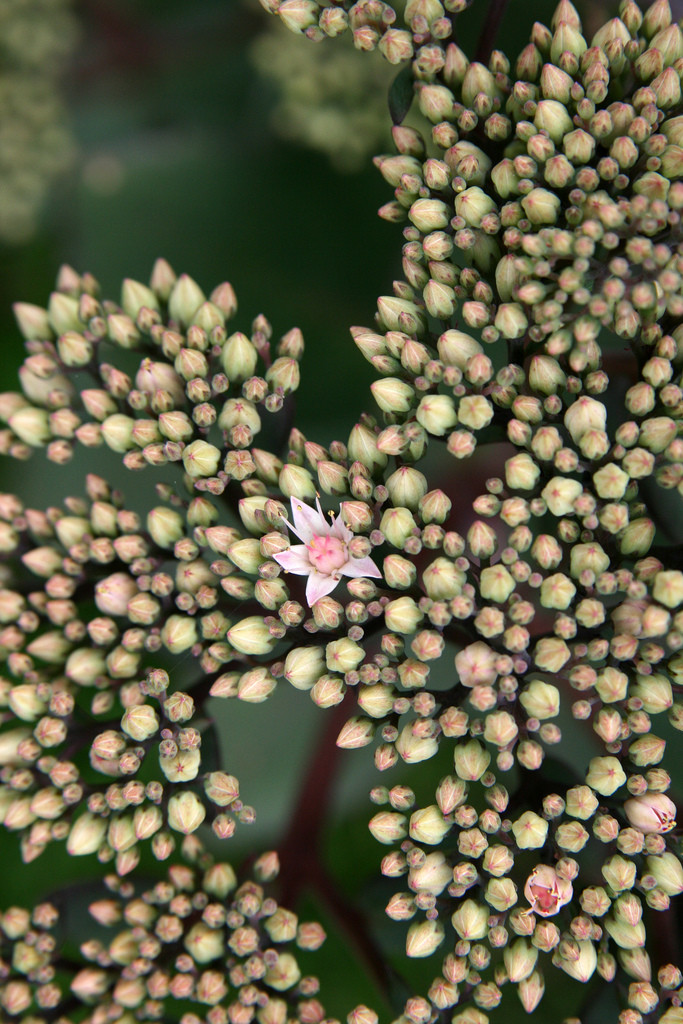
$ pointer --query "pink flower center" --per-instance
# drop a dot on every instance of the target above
(327, 554)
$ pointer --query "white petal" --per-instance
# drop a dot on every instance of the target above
(360, 567)
(319, 585)
(295, 560)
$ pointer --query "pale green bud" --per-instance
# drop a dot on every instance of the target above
(541, 700)
(511, 320)
(25, 703)
(439, 298)
(185, 299)
(397, 525)
(284, 374)
(475, 411)
(560, 493)
(456, 348)
(201, 459)
(179, 633)
(401, 315)
(406, 487)
(362, 447)
(343, 655)
(355, 733)
(399, 572)
(304, 666)
(86, 835)
(85, 665)
(541, 206)
(530, 831)
(668, 588)
(471, 760)
(140, 722)
(412, 748)
(392, 395)
(667, 872)
(424, 938)
(496, 584)
(238, 357)
(581, 802)
(626, 936)
(237, 412)
(428, 825)
(31, 425)
(552, 117)
(256, 685)
(298, 15)
(473, 204)
(402, 615)
(165, 526)
(521, 472)
(296, 482)
(388, 827)
(520, 959)
(567, 37)
(436, 413)
(470, 920)
(203, 943)
(32, 321)
(251, 636)
(62, 313)
(185, 812)
(605, 775)
(221, 788)
(442, 579)
(583, 967)
(74, 349)
(136, 296)
(246, 554)
(477, 79)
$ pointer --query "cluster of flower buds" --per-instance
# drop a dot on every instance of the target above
(542, 222)
(196, 937)
(490, 586)
(35, 41)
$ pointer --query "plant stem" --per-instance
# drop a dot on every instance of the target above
(490, 31)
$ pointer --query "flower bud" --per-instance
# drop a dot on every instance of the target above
(473, 204)
(388, 827)
(251, 636)
(428, 825)
(304, 666)
(605, 775)
(402, 615)
(424, 938)
(392, 395)
(179, 633)
(530, 831)
(436, 413)
(470, 920)
(343, 655)
(86, 835)
(140, 722)
(471, 760)
(541, 206)
(185, 812)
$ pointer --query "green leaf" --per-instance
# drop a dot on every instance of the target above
(401, 94)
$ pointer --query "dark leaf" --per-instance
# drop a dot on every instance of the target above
(401, 94)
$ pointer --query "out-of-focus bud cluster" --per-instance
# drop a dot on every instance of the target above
(542, 219)
(225, 948)
(35, 40)
(330, 98)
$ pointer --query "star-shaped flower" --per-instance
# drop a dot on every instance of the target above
(324, 555)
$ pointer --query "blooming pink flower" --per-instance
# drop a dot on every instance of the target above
(324, 555)
(547, 891)
(651, 813)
